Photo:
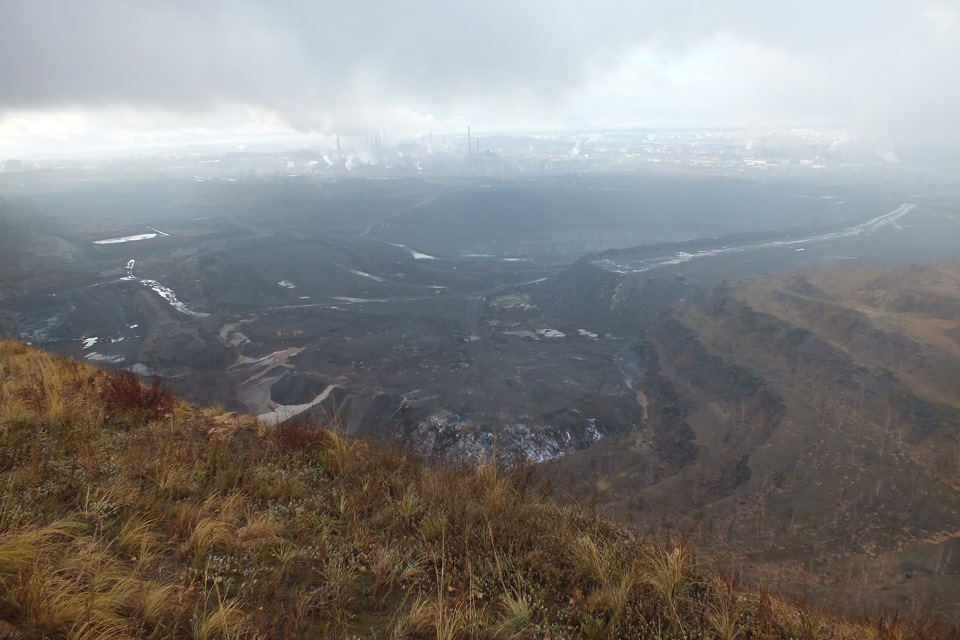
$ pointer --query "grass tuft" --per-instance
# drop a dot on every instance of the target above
(225, 621)
(516, 616)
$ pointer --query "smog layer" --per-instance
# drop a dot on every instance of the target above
(460, 317)
(683, 348)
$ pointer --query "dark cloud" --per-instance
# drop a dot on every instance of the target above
(320, 64)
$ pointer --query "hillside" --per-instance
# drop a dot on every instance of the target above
(32, 251)
(805, 425)
(126, 512)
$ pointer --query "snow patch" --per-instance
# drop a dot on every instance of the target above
(283, 412)
(99, 357)
(346, 299)
(140, 369)
(521, 333)
(136, 238)
(869, 227)
(551, 333)
(168, 295)
(365, 275)
(416, 254)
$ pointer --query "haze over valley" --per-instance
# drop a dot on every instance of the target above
(403, 302)
(533, 319)
(697, 272)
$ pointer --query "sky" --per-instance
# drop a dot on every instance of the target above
(104, 74)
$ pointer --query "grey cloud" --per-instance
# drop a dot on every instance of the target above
(309, 60)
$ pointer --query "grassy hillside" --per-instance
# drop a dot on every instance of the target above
(125, 512)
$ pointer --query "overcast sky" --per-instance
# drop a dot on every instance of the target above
(100, 72)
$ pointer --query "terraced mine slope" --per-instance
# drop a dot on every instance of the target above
(805, 423)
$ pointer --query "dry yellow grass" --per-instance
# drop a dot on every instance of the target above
(119, 520)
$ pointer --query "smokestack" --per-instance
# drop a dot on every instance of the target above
(468, 141)
(339, 154)
(431, 140)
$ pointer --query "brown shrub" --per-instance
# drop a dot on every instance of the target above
(122, 391)
(297, 433)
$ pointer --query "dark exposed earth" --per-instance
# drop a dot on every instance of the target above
(462, 318)
(668, 347)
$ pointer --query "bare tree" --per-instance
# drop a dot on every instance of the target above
(940, 560)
